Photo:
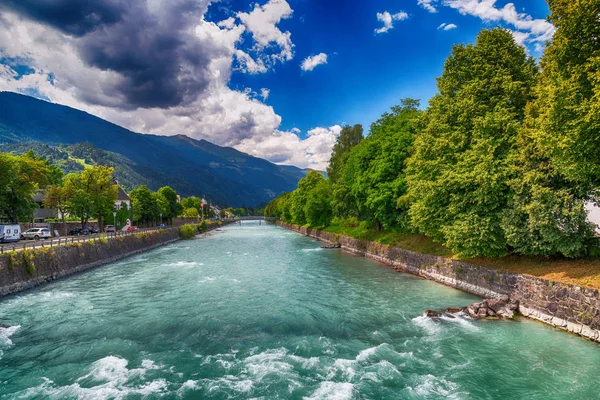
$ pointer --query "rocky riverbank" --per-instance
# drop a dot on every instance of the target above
(571, 308)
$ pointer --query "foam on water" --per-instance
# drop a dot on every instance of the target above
(6, 333)
(108, 378)
(183, 264)
(333, 391)
(292, 324)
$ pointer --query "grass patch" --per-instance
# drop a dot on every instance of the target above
(407, 241)
(583, 272)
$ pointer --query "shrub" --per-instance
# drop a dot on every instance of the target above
(28, 263)
(202, 226)
(187, 231)
(161, 230)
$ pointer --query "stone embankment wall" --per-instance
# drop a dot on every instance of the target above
(25, 269)
(567, 307)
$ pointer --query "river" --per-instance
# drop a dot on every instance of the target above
(256, 311)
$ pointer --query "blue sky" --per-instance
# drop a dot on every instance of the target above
(230, 71)
(366, 73)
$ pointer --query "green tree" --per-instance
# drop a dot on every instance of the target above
(91, 192)
(56, 199)
(299, 196)
(174, 208)
(349, 137)
(21, 176)
(191, 212)
(461, 164)
(144, 204)
(317, 208)
(192, 202)
(374, 174)
(558, 163)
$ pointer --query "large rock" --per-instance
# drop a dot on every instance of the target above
(432, 314)
(334, 245)
(489, 308)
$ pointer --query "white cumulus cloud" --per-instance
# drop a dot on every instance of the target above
(446, 27)
(530, 30)
(311, 62)
(428, 5)
(388, 20)
(215, 112)
(264, 93)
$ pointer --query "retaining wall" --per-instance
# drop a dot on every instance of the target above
(572, 308)
(25, 269)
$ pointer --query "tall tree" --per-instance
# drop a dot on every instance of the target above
(144, 204)
(174, 207)
(56, 199)
(21, 176)
(558, 162)
(90, 193)
(375, 168)
(461, 163)
(299, 196)
(349, 137)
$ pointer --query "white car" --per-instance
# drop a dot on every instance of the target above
(37, 233)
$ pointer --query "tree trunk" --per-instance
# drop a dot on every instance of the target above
(377, 225)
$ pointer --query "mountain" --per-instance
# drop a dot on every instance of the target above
(190, 166)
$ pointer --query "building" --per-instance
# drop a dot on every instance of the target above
(123, 201)
(41, 213)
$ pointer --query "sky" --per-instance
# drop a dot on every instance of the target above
(275, 78)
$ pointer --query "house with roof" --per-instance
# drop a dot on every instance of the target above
(123, 201)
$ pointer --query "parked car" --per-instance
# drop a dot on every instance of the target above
(10, 233)
(160, 225)
(109, 228)
(132, 228)
(79, 231)
(36, 233)
(93, 229)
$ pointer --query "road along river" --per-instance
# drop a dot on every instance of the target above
(255, 311)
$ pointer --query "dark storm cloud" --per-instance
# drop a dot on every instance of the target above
(74, 17)
(159, 60)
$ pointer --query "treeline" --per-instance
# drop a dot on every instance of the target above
(503, 160)
(88, 194)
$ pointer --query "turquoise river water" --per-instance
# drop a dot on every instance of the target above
(256, 311)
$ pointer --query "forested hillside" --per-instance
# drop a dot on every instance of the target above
(193, 167)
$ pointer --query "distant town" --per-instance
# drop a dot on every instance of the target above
(38, 201)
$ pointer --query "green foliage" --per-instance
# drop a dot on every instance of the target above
(191, 212)
(317, 207)
(187, 231)
(374, 173)
(202, 226)
(558, 163)
(145, 204)
(349, 137)
(172, 208)
(28, 262)
(11, 261)
(457, 175)
(20, 177)
(275, 208)
(89, 193)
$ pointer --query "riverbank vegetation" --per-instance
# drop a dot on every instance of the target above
(500, 165)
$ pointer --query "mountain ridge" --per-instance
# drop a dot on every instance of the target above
(227, 175)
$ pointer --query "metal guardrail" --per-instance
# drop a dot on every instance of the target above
(62, 241)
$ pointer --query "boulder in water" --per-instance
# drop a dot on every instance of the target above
(432, 313)
(334, 245)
